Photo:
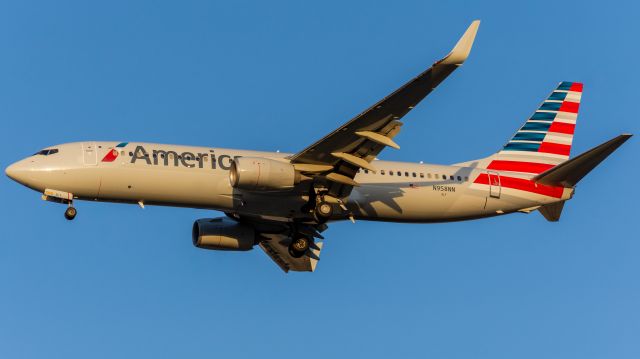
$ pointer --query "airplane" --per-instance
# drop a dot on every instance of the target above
(282, 202)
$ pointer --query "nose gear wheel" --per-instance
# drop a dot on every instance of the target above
(70, 213)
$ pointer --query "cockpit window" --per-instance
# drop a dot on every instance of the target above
(46, 152)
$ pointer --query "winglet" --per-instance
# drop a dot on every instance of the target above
(461, 51)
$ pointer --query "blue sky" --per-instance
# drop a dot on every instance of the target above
(120, 281)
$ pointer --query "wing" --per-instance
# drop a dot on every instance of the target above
(276, 247)
(338, 156)
(274, 237)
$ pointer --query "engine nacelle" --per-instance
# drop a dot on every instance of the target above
(222, 234)
(255, 173)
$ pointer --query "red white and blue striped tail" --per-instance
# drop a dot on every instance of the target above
(545, 139)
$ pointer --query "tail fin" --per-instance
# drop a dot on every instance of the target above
(545, 139)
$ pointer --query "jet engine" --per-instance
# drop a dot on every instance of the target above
(222, 234)
(255, 173)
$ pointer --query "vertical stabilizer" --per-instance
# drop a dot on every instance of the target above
(546, 137)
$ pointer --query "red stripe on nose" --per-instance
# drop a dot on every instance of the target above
(110, 156)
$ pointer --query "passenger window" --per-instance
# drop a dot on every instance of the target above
(399, 173)
(131, 154)
(406, 174)
(459, 178)
(466, 178)
(421, 175)
(451, 178)
(381, 172)
(414, 174)
(390, 173)
(429, 175)
(444, 177)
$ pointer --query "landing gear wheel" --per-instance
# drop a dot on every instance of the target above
(323, 211)
(70, 213)
(298, 247)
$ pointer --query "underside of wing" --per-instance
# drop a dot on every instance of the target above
(276, 238)
(276, 247)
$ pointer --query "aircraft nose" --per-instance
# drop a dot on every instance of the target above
(17, 171)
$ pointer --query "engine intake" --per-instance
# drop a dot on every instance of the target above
(222, 234)
(255, 173)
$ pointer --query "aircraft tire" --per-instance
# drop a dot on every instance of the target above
(323, 211)
(70, 213)
(299, 246)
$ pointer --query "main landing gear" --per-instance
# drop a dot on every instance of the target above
(299, 246)
(323, 211)
(70, 212)
(318, 208)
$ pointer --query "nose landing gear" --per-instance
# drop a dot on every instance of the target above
(56, 196)
(70, 213)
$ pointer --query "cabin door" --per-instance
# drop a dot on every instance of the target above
(90, 153)
(494, 184)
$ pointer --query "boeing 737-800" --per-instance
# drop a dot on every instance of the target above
(282, 202)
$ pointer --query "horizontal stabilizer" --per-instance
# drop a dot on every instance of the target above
(570, 172)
